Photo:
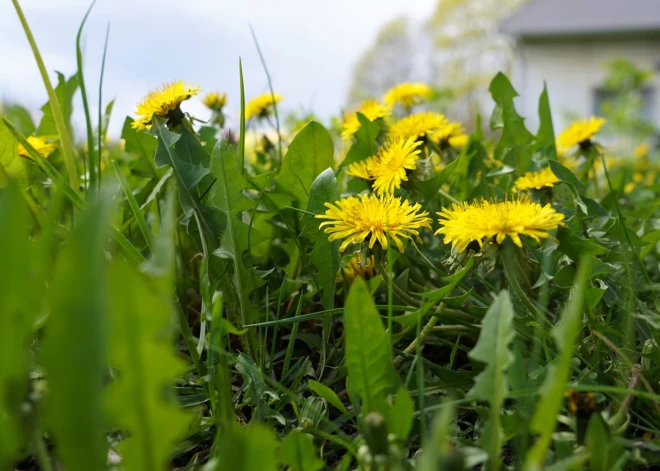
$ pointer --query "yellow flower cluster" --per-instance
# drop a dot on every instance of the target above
(388, 168)
(544, 178)
(215, 101)
(580, 132)
(38, 143)
(356, 219)
(408, 94)
(418, 126)
(162, 101)
(371, 109)
(261, 106)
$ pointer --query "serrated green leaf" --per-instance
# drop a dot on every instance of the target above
(310, 152)
(429, 188)
(141, 398)
(227, 196)
(491, 384)
(21, 119)
(136, 142)
(545, 136)
(368, 352)
(17, 311)
(75, 341)
(298, 452)
(64, 91)
(514, 132)
(577, 247)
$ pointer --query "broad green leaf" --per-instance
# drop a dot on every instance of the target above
(400, 415)
(64, 91)
(565, 175)
(598, 443)
(365, 141)
(250, 448)
(18, 305)
(141, 398)
(227, 196)
(325, 255)
(328, 394)
(11, 162)
(491, 384)
(368, 353)
(258, 393)
(545, 136)
(548, 407)
(298, 452)
(310, 152)
(75, 353)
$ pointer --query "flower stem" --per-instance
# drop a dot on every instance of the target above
(42, 452)
(426, 330)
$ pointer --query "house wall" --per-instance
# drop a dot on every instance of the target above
(573, 69)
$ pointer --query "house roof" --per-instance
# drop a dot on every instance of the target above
(583, 17)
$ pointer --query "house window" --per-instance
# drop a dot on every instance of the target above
(602, 95)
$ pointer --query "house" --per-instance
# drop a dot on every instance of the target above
(567, 44)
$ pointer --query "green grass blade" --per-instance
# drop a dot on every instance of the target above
(241, 138)
(94, 170)
(272, 94)
(62, 131)
(544, 420)
(101, 127)
(135, 207)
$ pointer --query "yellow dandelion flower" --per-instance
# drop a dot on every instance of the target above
(580, 132)
(354, 219)
(162, 101)
(484, 220)
(641, 151)
(215, 101)
(451, 131)
(544, 178)
(361, 169)
(261, 105)
(391, 164)
(408, 94)
(459, 141)
(418, 125)
(371, 109)
(40, 144)
(356, 268)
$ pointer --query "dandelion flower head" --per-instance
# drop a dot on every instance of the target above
(358, 218)
(485, 220)
(162, 101)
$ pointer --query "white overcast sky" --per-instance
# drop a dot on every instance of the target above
(310, 47)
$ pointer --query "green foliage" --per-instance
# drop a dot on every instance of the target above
(368, 357)
(76, 341)
(491, 384)
(310, 152)
(17, 313)
(224, 330)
